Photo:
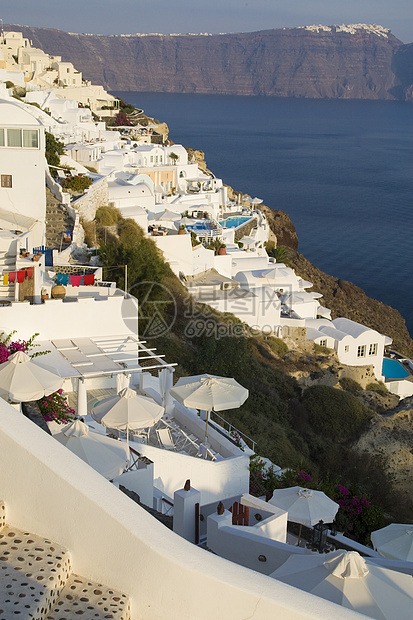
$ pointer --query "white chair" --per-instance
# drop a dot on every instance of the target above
(165, 438)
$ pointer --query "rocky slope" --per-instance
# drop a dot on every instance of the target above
(347, 62)
(391, 436)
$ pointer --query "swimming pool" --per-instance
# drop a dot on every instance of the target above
(235, 220)
(392, 369)
(200, 226)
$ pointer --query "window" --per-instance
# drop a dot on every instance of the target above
(346, 348)
(6, 180)
(1, 137)
(323, 343)
(373, 349)
(14, 137)
(31, 138)
(361, 350)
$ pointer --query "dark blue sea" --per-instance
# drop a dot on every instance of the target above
(342, 170)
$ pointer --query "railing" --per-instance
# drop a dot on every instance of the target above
(227, 426)
(134, 459)
(167, 507)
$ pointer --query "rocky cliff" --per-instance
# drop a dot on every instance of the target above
(348, 62)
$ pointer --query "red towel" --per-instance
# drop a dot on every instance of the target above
(12, 276)
(30, 272)
(75, 280)
(21, 276)
(89, 279)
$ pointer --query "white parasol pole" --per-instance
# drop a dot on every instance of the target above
(206, 428)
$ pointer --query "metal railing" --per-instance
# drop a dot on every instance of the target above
(227, 426)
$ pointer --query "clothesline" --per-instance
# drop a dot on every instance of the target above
(75, 280)
(10, 277)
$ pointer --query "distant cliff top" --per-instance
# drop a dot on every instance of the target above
(354, 61)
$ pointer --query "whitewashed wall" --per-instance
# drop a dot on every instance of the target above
(114, 541)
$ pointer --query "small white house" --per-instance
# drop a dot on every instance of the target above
(355, 344)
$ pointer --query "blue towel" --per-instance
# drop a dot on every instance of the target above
(62, 278)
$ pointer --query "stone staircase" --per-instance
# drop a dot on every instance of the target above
(58, 222)
(7, 263)
(37, 583)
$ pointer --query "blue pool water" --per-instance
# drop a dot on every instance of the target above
(200, 226)
(235, 221)
(392, 369)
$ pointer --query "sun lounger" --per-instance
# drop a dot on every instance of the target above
(165, 438)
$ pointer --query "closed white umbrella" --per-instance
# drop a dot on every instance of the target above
(345, 578)
(21, 380)
(107, 456)
(394, 541)
(208, 392)
(127, 411)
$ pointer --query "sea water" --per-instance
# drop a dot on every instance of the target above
(342, 170)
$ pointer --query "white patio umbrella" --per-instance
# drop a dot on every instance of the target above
(305, 506)
(21, 380)
(166, 216)
(256, 201)
(345, 578)
(247, 241)
(127, 411)
(208, 392)
(394, 541)
(107, 456)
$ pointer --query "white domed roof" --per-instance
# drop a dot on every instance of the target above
(117, 190)
(14, 114)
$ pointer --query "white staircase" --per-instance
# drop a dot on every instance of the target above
(37, 583)
(7, 263)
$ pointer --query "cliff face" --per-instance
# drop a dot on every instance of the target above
(315, 62)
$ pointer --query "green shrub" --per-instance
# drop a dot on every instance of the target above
(320, 350)
(54, 148)
(278, 346)
(350, 385)
(335, 414)
(77, 183)
(107, 216)
(377, 387)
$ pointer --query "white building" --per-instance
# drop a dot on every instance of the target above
(23, 166)
(355, 344)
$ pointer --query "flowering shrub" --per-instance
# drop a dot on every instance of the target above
(8, 347)
(236, 437)
(356, 517)
(77, 183)
(262, 479)
(121, 120)
(55, 408)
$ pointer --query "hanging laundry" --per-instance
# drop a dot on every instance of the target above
(5, 279)
(21, 276)
(30, 272)
(62, 278)
(89, 279)
(75, 280)
(12, 277)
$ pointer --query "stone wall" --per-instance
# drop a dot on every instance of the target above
(96, 196)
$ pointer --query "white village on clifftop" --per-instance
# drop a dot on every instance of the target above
(163, 441)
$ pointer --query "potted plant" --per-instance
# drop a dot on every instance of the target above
(44, 294)
(182, 229)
